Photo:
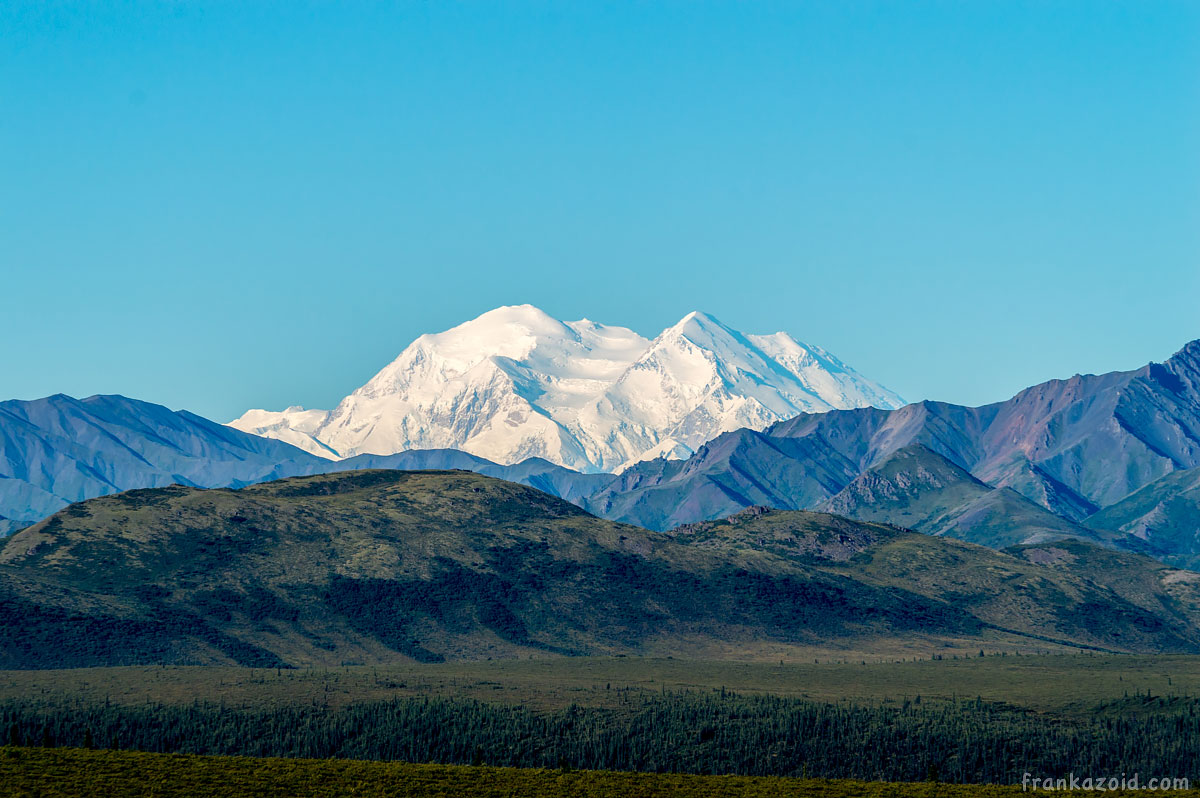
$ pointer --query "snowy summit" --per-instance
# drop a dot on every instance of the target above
(517, 383)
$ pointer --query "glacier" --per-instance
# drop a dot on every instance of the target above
(516, 383)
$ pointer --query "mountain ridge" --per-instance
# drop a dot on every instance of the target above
(919, 489)
(1071, 446)
(1165, 514)
(1067, 447)
(378, 566)
(516, 383)
(59, 450)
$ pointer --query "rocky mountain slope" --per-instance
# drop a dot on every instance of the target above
(1026, 470)
(921, 490)
(1070, 446)
(516, 383)
(59, 450)
(1165, 515)
(380, 566)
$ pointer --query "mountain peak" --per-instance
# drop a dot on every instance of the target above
(507, 331)
(526, 314)
(515, 383)
(1189, 353)
(698, 320)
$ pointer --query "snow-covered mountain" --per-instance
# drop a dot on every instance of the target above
(517, 383)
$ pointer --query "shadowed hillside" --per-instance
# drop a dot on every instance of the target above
(379, 566)
(919, 489)
(1071, 446)
(1164, 515)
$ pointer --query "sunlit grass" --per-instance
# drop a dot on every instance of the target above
(55, 773)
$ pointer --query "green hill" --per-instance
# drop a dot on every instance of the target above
(386, 566)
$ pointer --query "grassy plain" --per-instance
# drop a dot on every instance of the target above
(1056, 683)
(1062, 686)
(63, 773)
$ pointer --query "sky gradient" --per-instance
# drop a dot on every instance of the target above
(219, 205)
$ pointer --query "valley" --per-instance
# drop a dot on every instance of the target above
(603, 726)
(1066, 684)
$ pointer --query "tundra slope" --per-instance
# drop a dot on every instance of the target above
(388, 566)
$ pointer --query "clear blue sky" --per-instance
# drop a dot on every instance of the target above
(221, 205)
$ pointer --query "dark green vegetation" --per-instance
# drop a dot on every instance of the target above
(1074, 684)
(978, 719)
(375, 567)
(722, 733)
(1066, 590)
(986, 719)
(67, 773)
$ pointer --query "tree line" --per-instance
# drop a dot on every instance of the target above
(703, 733)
